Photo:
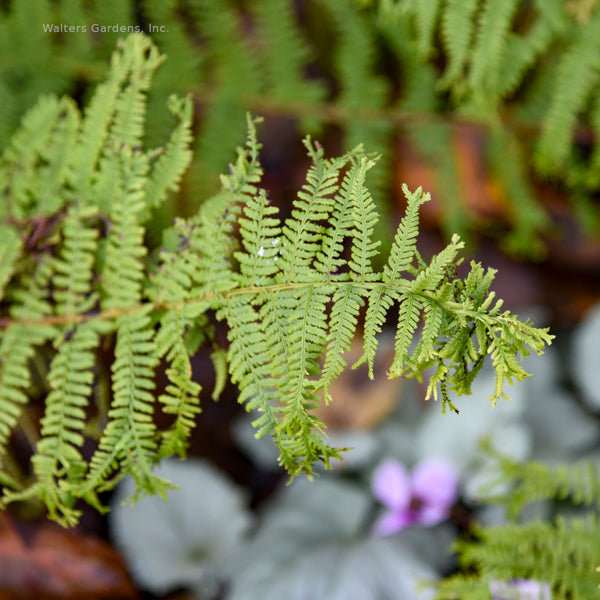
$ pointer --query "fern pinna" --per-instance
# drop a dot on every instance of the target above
(78, 278)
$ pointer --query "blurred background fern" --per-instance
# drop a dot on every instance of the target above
(455, 87)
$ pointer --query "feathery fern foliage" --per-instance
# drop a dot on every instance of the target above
(293, 293)
(382, 71)
(563, 552)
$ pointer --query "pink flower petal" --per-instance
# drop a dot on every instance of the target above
(391, 485)
(430, 515)
(392, 522)
(435, 483)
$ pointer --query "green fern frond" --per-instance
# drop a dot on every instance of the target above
(576, 80)
(302, 234)
(59, 159)
(426, 16)
(98, 118)
(232, 73)
(58, 459)
(143, 58)
(284, 53)
(292, 293)
(18, 345)
(564, 554)
(403, 249)
(168, 169)
(9, 254)
(529, 218)
(50, 119)
(285, 384)
(181, 397)
(75, 269)
(127, 445)
(458, 30)
(522, 51)
(532, 481)
(124, 269)
(494, 23)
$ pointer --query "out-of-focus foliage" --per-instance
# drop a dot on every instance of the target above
(524, 72)
(562, 551)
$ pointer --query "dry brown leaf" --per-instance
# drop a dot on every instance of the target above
(46, 562)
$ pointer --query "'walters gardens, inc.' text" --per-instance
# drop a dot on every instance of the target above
(97, 28)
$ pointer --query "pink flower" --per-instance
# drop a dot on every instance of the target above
(423, 497)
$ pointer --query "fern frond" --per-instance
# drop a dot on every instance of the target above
(249, 366)
(494, 24)
(564, 554)
(364, 221)
(127, 444)
(58, 459)
(75, 269)
(168, 169)
(289, 307)
(302, 233)
(31, 188)
(98, 117)
(9, 254)
(232, 72)
(579, 483)
(403, 249)
(458, 30)
(347, 303)
(143, 58)
(18, 345)
(124, 269)
(59, 159)
(426, 16)
(181, 397)
(576, 79)
(284, 53)
(529, 217)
